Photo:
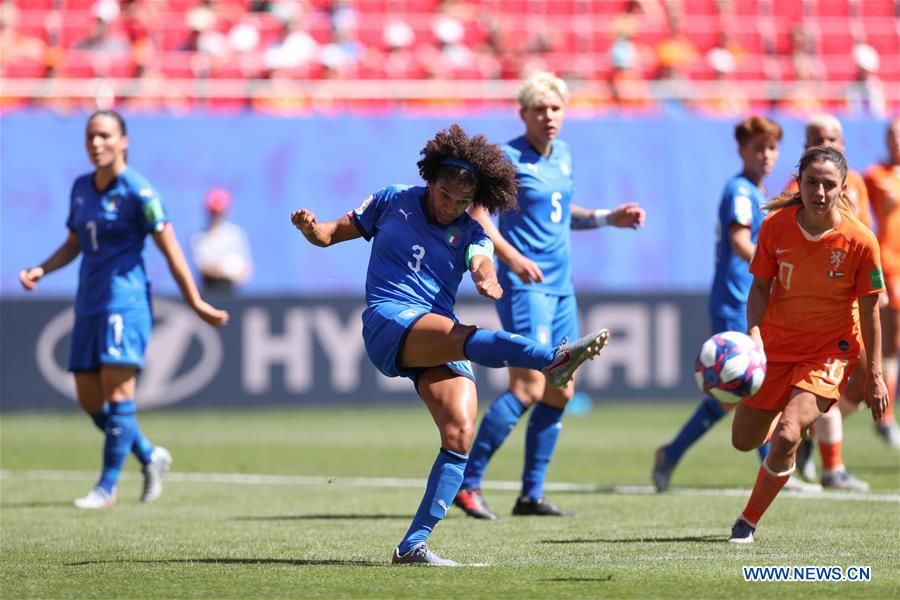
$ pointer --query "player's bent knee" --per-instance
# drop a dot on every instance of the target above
(458, 437)
(785, 440)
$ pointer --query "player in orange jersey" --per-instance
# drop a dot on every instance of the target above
(883, 183)
(823, 129)
(813, 260)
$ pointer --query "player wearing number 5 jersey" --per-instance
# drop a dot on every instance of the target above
(534, 245)
(112, 210)
(813, 261)
(423, 242)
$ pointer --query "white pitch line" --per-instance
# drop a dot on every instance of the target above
(399, 482)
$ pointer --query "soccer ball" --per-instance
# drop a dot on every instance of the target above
(730, 367)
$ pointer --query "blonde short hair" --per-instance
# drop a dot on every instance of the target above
(539, 83)
(823, 121)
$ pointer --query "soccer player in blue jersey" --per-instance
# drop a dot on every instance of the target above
(111, 212)
(423, 242)
(740, 216)
(534, 247)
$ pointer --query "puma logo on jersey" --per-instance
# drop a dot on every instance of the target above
(405, 214)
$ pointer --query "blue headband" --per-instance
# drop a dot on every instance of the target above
(462, 164)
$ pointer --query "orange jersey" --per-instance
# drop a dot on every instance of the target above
(883, 183)
(816, 281)
(857, 192)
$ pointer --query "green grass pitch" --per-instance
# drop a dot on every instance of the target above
(325, 527)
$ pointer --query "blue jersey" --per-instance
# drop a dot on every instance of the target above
(540, 228)
(415, 260)
(742, 203)
(111, 226)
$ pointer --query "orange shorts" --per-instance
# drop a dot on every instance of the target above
(827, 378)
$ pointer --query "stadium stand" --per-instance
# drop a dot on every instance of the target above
(681, 49)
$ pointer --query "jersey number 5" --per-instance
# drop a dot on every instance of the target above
(418, 255)
(556, 215)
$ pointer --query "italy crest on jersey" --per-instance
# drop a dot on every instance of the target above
(454, 235)
(111, 204)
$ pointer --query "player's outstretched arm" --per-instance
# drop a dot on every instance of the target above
(168, 244)
(875, 388)
(324, 234)
(524, 268)
(485, 277)
(66, 253)
(629, 215)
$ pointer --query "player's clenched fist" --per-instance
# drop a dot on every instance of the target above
(304, 220)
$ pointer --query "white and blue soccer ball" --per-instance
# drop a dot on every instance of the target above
(730, 367)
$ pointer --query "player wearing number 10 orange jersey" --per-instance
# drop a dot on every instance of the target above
(813, 260)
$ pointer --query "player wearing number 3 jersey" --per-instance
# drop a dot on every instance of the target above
(423, 242)
(813, 261)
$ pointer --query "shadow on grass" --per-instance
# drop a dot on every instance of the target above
(324, 517)
(578, 579)
(7, 505)
(296, 562)
(639, 540)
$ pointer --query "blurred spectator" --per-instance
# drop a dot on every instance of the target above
(866, 95)
(724, 96)
(399, 60)
(342, 55)
(676, 52)
(101, 39)
(221, 252)
(16, 46)
(802, 95)
(294, 48)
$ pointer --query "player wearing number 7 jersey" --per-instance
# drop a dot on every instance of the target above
(423, 242)
(112, 211)
(813, 260)
(534, 246)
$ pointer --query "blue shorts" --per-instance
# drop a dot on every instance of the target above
(385, 326)
(544, 318)
(720, 323)
(112, 337)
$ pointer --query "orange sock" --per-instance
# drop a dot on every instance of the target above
(765, 489)
(831, 455)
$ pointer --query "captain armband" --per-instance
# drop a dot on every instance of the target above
(595, 219)
(479, 250)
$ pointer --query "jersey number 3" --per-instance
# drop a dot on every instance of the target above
(418, 255)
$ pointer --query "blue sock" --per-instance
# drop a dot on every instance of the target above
(141, 448)
(544, 428)
(498, 422)
(502, 349)
(763, 451)
(443, 484)
(120, 426)
(99, 417)
(706, 415)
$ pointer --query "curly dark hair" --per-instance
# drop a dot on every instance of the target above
(491, 174)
